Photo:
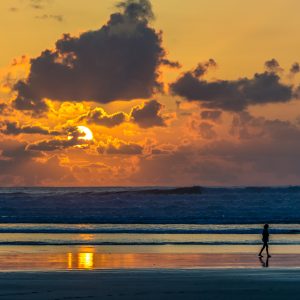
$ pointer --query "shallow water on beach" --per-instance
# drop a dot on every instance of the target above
(148, 234)
(136, 246)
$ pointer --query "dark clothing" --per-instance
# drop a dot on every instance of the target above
(265, 236)
(265, 239)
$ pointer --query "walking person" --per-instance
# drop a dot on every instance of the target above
(265, 239)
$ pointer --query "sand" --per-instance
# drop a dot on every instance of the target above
(89, 260)
(152, 284)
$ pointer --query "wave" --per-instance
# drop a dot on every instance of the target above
(144, 231)
(103, 191)
(155, 205)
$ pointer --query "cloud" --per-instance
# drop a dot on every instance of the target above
(199, 128)
(37, 4)
(183, 166)
(232, 95)
(247, 127)
(119, 61)
(270, 157)
(202, 68)
(16, 151)
(267, 150)
(13, 128)
(273, 65)
(13, 9)
(295, 68)
(33, 4)
(28, 99)
(207, 131)
(22, 167)
(100, 117)
(171, 64)
(58, 18)
(74, 139)
(53, 145)
(118, 147)
(263, 161)
(3, 106)
(212, 115)
(148, 114)
(145, 115)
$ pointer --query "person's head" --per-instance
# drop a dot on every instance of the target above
(266, 226)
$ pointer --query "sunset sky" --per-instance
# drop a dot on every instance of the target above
(195, 92)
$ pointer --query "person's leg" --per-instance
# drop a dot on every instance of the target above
(267, 249)
(262, 249)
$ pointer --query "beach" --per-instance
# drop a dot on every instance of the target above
(128, 245)
(152, 284)
(44, 272)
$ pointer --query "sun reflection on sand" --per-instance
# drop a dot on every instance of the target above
(70, 260)
(86, 261)
(81, 260)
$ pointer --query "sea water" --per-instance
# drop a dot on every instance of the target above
(101, 221)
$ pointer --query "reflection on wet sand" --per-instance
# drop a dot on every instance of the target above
(264, 262)
(86, 261)
(91, 260)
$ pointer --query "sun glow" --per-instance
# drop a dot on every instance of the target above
(87, 134)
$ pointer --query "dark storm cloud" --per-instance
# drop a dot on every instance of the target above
(100, 117)
(212, 115)
(232, 95)
(120, 148)
(148, 115)
(13, 128)
(117, 62)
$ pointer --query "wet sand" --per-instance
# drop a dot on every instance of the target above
(87, 273)
(87, 260)
(152, 284)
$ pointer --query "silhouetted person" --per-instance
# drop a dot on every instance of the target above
(265, 239)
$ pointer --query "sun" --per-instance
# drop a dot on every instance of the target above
(87, 134)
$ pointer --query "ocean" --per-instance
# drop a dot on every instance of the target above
(88, 222)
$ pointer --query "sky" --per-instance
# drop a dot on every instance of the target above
(139, 92)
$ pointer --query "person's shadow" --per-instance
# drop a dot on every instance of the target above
(264, 263)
